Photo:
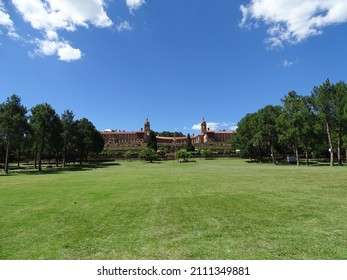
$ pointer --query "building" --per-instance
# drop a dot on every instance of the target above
(139, 138)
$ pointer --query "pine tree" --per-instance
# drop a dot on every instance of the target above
(189, 145)
(152, 141)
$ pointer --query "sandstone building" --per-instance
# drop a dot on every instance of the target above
(139, 138)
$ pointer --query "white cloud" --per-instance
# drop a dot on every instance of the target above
(289, 63)
(68, 53)
(214, 126)
(293, 20)
(51, 16)
(6, 22)
(61, 48)
(196, 127)
(123, 26)
(134, 4)
(5, 19)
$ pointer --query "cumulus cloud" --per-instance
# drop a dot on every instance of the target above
(52, 16)
(60, 48)
(134, 4)
(292, 21)
(215, 126)
(7, 23)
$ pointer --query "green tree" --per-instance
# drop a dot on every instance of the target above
(294, 121)
(324, 97)
(68, 134)
(341, 118)
(311, 130)
(183, 154)
(152, 141)
(243, 138)
(55, 141)
(149, 154)
(267, 132)
(206, 153)
(43, 123)
(189, 145)
(13, 125)
(89, 140)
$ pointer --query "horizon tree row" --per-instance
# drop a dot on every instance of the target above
(41, 133)
(303, 125)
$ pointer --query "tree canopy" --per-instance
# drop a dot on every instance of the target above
(298, 126)
(43, 134)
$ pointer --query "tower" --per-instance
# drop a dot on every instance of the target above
(203, 126)
(147, 126)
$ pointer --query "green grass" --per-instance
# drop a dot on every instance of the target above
(208, 209)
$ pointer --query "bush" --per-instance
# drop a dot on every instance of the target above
(183, 154)
(148, 154)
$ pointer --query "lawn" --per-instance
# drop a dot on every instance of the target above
(208, 209)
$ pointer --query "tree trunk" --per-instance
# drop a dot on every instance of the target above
(272, 154)
(339, 148)
(7, 157)
(18, 157)
(297, 156)
(35, 157)
(64, 157)
(40, 155)
(306, 154)
(331, 149)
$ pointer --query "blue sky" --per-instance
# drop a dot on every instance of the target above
(117, 62)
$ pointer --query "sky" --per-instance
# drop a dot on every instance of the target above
(175, 62)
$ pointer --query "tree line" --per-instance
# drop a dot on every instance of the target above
(304, 126)
(41, 133)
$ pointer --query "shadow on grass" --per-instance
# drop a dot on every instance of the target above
(187, 161)
(50, 169)
(312, 163)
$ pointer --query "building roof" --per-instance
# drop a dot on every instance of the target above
(171, 138)
(120, 132)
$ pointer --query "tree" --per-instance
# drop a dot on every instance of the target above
(43, 122)
(88, 139)
(13, 125)
(152, 141)
(183, 154)
(206, 153)
(341, 118)
(148, 154)
(55, 140)
(244, 137)
(311, 130)
(292, 122)
(68, 134)
(267, 132)
(324, 97)
(189, 145)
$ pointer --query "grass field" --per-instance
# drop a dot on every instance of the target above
(208, 209)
